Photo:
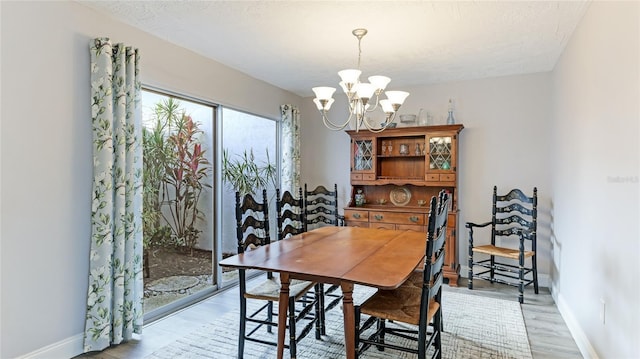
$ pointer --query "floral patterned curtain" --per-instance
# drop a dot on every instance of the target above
(290, 180)
(115, 295)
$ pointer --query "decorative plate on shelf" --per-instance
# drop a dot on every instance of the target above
(400, 196)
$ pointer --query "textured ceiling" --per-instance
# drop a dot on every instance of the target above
(296, 45)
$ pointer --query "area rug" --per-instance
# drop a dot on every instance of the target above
(474, 327)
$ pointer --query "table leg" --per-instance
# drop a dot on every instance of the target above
(349, 319)
(283, 303)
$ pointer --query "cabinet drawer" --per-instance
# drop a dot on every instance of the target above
(411, 227)
(382, 225)
(358, 224)
(397, 217)
(356, 216)
(356, 176)
(448, 177)
(432, 177)
(368, 176)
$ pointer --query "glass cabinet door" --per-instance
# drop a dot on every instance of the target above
(441, 155)
(363, 155)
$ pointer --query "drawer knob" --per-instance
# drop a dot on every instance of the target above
(378, 217)
(413, 219)
(356, 215)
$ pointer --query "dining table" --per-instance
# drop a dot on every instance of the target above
(345, 256)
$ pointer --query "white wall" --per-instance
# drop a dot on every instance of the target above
(46, 175)
(595, 181)
(505, 142)
(47, 158)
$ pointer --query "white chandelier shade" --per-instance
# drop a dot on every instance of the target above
(360, 95)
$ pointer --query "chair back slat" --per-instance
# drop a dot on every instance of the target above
(436, 285)
(515, 194)
(515, 219)
(320, 207)
(252, 221)
(434, 257)
(515, 207)
(290, 213)
(514, 212)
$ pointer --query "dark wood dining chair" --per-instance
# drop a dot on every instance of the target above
(290, 214)
(252, 223)
(417, 302)
(290, 221)
(514, 222)
(321, 209)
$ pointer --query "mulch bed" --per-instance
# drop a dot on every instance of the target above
(172, 261)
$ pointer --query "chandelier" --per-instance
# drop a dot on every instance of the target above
(360, 97)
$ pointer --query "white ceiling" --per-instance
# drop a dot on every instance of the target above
(297, 45)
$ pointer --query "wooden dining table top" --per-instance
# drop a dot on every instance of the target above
(380, 258)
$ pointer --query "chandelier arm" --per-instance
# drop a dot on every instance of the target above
(332, 126)
(370, 127)
(375, 107)
(388, 120)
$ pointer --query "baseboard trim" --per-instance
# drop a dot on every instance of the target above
(585, 347)
(64, 349)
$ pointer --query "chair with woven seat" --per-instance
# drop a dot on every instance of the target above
(290, 214)
(321, 209)
(252, 220)
(417, 302)
(514, 219)
(290, 221)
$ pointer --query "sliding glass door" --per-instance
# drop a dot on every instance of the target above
(249, 165)
(178, 211)
(196, 155)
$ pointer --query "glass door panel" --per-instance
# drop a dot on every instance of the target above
(249, 142)
(440, 153)
(178, 214)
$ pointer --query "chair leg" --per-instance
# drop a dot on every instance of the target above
(470, 283)
(535, 273)
(422, 339)
(292, 328)
(492, 270)
(319, 294)
(269, 315)
(323, 312)
(438, 324)
(243, 327)
(357, 327)
(381, 328)
(521, 277)
(243, 314)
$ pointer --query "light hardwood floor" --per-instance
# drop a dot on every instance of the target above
(548, 334)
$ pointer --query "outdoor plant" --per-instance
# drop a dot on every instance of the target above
(156, 152)
(183, 183)
(242, 173)
(174, 172)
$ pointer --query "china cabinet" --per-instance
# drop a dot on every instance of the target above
(394, 173)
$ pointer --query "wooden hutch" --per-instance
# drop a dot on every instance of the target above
(397, 171)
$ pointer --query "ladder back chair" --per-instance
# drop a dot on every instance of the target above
(290, 214)
(514, 219)
(417, 302)
(321, 209)
(290, 221)
(252, 230)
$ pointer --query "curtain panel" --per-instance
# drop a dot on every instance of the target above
(115, 293)
(290, 141)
